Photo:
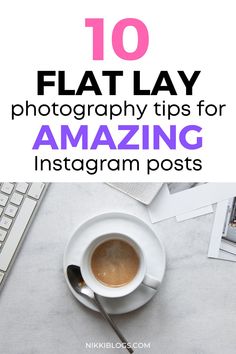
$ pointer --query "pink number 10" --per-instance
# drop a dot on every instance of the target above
(117, 38)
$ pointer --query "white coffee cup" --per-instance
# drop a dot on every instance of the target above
(141, 276)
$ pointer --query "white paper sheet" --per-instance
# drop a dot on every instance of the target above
(195, 213)
(166, 205)
(225, 256)
(217, 229)
(227, 247)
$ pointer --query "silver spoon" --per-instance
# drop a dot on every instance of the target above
(77, 282)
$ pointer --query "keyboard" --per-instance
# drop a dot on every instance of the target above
(19, 203)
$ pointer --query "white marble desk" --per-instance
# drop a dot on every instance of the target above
(194, 313)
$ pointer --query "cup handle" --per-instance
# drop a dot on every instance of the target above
(151, 282)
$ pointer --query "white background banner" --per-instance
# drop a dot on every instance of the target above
(183, 36)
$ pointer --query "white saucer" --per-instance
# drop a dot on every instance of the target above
(134, 227)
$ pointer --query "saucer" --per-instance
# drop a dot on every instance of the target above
(141, 233)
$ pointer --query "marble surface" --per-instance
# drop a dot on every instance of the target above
(194, 313)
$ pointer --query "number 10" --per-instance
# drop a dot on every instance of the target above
(117, 38)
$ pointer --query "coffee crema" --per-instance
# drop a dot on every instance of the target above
(114, 263)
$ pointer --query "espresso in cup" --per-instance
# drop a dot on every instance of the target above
(114, 263)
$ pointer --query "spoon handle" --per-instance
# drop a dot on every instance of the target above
(112, 324)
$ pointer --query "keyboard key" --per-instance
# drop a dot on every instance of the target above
(7, 188)
(36, 190)
(22, 187)
(1, 210)
(16, 198)
(1, 276)
(3, 199)
(16, 232)
(5, 222)
(3, 234)
(11, 210)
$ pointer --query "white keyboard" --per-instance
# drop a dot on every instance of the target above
(18, 205)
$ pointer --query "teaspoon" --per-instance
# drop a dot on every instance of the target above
(78, 284)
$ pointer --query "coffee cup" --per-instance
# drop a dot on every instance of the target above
(113, 265)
